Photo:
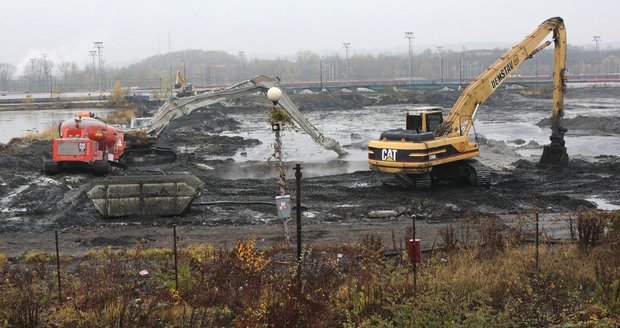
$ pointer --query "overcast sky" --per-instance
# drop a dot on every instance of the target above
(134, 29)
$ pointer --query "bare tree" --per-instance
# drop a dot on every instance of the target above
(65, 71)
(6, 74)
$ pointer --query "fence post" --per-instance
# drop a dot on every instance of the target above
(298, 212)
(58, 267)
(176, 270)
(537, 244)
(415, 265)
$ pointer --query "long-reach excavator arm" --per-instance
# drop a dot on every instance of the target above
(177, 107)
(431, 147)
(460, 119)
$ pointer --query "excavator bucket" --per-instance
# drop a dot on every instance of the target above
(555, 153)
(144, 195)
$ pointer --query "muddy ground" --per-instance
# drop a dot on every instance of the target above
(337, 208)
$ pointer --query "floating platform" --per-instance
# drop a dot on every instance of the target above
(163, 195)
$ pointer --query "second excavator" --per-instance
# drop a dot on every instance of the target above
(431, 147)
(88, 142)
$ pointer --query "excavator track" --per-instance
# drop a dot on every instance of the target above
(480, 174)
(422, 181)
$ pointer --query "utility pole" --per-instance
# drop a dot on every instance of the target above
(242, 65)
(409, 35)
(461, 69)
(321, 71)
(169, 43)
(597, 40)
(346, 46)
(48, 75)
(93, 53)
(184, 73)
(439, 49)
(99, 46)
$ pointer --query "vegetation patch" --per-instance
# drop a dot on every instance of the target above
(482, 284)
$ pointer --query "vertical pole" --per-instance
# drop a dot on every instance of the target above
(415, 265)
(409, 35)
(58, 267)
(537, 281)
(537, 244)
(298, 212)
(176, 270)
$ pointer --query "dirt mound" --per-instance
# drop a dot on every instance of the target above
(201, 132)
(593, 125)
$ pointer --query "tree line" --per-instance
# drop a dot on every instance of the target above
(212, 68)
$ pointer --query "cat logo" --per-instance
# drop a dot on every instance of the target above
(388, 155)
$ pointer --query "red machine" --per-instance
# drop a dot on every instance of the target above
(88, 142)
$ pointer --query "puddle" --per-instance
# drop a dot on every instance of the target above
(603, 204)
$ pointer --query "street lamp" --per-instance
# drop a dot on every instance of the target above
(346, 46)
(321, 71)
(597, 39)
(48, 75)
(409, 35)
(439, 49)
(242, 65)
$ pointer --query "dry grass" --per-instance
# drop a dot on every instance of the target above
(47, 134)
(3, 260)
(121, 116)
(481, 285)
(33, 256)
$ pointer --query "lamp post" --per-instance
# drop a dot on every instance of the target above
(99, 46)
(242, 65)
(346, 46)
(439, 49)
(409, 35)
(321, 71)
(92, 54)
(461, 69)
(48, 76)
(597, 40)
(184, 72)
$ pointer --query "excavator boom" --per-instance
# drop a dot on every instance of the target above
(460, 119)
(177, 107)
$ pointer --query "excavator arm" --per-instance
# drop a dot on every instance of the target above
(177, 107)
(179, 81)
(460, 119)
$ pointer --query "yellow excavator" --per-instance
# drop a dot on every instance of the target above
(185, 89)
(433, 147)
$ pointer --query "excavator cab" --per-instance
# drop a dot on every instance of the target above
(424, 119)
